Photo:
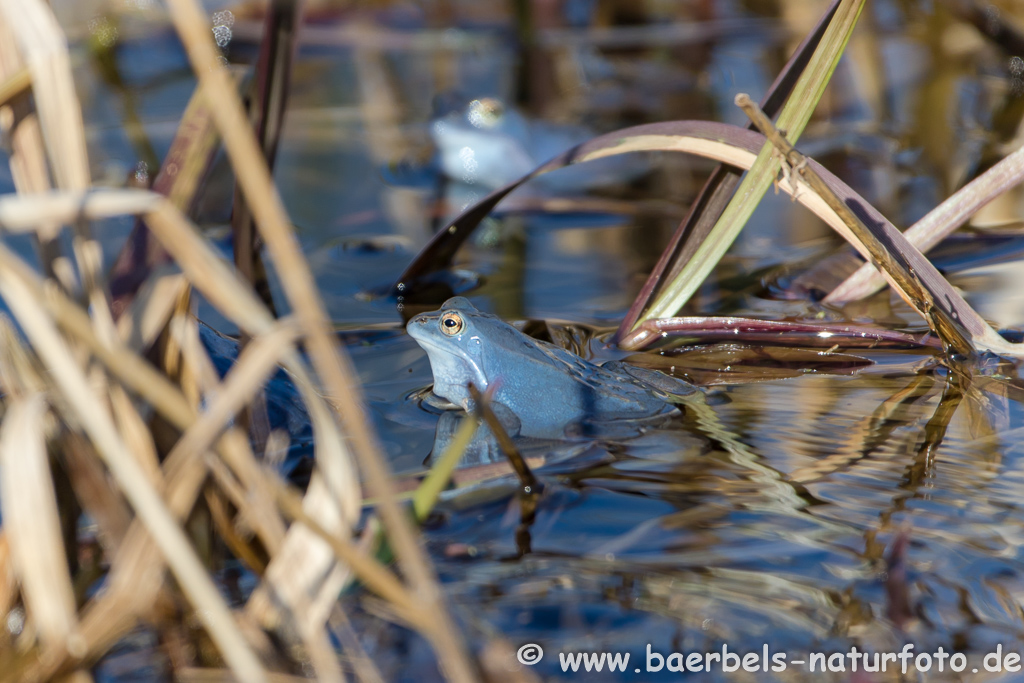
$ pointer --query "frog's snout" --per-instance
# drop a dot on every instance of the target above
(414, 327)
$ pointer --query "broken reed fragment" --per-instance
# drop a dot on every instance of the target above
(939, 223)
(959, 326)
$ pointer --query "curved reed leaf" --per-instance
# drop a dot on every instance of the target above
(737, 147)
(719, 188)
(793, 119)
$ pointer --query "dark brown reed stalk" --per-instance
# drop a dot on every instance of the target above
(267, 101)
(187, 162)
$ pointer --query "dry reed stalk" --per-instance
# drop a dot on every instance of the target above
(64, 313)
(133, 371)
(187, 161)
(45, 52)
(248, 374)
(23, 214)
(139, 325)
(121, 440)
(254, 365)
(333, 368)
(8, 588)
(295, 572)
(27, 156)
(217, 498)
(135, 433)
(376, 576)
(128, 593)
(177, 551)
(99, 498)
(32, 525)
(251, 371)
(938, 223)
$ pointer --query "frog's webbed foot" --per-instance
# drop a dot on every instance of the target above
(621, 428)
(483, 448)
(674, 388)
(509, 421)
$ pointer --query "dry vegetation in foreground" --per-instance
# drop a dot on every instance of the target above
(123, 418)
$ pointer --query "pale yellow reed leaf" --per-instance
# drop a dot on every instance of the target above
(32, 525)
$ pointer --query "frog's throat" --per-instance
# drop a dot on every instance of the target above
(452, 372)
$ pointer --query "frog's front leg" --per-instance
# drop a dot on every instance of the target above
(508, 420)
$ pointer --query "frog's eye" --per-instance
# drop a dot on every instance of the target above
(452, 323)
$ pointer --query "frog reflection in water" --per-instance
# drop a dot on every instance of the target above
(542, 390)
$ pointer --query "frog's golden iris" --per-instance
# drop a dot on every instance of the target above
(451, 323)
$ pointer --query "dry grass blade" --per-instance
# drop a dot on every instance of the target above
(336, 373)
(148, 505)
(45, 52)
(27, 158)
(32, 525)
(303, 577)
(224, 289)
(374, 575)
(146, 317)
(134, 372)
(299, 570)
(250, 372)
(939, 223)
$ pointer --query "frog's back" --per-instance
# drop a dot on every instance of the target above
(551, 389)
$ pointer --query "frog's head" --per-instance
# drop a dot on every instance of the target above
(455, 339)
